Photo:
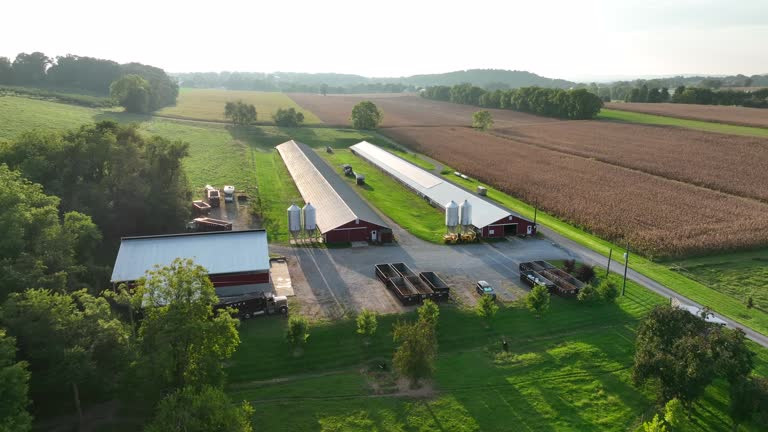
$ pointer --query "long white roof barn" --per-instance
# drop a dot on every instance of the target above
(222, 252)
(438, 190)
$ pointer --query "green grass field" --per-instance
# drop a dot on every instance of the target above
(633, 117)
(392, 198)
(737, 274)
(569, 371)
(208, 104)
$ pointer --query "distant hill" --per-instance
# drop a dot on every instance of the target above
(347, 83)
(496, 78)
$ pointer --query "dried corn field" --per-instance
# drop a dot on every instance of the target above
(660, 217)
(727, 163)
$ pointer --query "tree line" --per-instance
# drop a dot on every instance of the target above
(698, 95)
(570, 104)
(87, 74)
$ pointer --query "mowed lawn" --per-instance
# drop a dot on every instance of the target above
(652, 119)
(392, 198)
(568, 371)
(208, 104)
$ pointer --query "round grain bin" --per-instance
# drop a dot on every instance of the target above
(451, 214)
(294, 219)
(465, 213)
(310, 218)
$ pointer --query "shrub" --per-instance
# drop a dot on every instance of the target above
(288, 117)
(366, 323)
(585, 273)
(569, 265)
(298, 332)
(429, 312)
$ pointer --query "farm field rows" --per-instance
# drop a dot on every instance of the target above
(569, 371)
(408, 110)
(208, 104)
(698, 158)
(657, 120)
(711, 113)
(659, 217)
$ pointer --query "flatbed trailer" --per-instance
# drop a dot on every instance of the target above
(440, 288)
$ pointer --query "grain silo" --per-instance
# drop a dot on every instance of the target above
(294, 220)
(451, 215)
(310, 219)
(465, 214)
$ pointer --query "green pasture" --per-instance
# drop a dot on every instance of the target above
(652, 119)
(208, 104)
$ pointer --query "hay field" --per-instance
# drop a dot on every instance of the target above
(208, 104)
(711, 113)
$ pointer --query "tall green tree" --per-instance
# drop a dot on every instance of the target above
(416, 350)
(14, 388)
(682, 354)
(6, 71)
(240, 113)
(429, 312)
(297, 333)
(30, 68)
(129, 183)
(71, 341)
(288, 117)
(182, 341)
(366, 115)
(133, 93)
(537, 300)
(201, 410)
(482, 120)
(366, 324)
(486, 309)
(37, 247)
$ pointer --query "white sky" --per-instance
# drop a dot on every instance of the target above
(571, 39)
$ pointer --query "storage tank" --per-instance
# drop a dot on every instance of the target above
(294, 219)
(451, 214)
(310, 218)
(465, 214)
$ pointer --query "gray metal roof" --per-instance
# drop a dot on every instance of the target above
(438, 190)
(335, 202)
(219, 252)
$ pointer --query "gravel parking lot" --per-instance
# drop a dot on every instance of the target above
(331, 283)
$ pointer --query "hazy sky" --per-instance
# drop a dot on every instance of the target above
(572, 39)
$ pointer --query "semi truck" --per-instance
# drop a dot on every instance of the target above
(252, 305)
(206, 224)
(213, 196)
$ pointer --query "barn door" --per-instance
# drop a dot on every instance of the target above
(374, 236)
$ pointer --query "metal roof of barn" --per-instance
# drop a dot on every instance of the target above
(219, 252)
(438, 190)
(335, 202)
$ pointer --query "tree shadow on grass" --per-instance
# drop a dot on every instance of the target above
(122, 117)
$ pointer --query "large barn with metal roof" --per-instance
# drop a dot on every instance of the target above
(342, 216)
(489, 219)
(237, 261)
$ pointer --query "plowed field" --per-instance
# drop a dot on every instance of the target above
(659, 217)
(407, 110)
(714, 113)
(729, 163)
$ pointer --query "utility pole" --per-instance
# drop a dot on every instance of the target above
(608, 269)
(626, 264)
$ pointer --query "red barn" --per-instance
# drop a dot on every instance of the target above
(342, 216)
(237, 261)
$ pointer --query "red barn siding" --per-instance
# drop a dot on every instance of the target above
(498, 227)
(223, 280)
(358, 231)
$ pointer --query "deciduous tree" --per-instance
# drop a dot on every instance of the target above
(429, 312)
(240, 113)
(366, 115)
(182, 340)
(416, 350)
(14, 388)
(202, 409)
(288, 117)
(298, 333)
(538, 300)
(133, 93)
(482, 120)
(486, 309)
(366, 324)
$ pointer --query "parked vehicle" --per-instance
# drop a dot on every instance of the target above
(249, 306)
(229, 193)
(200, 207)
(485, 289)
(213, 196)
(206, 224)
